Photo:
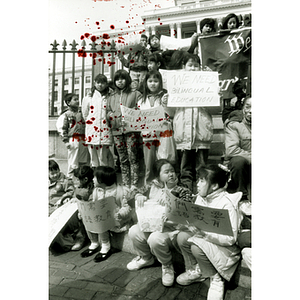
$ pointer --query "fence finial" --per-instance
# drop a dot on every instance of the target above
(113, 45)
(83, 44)
(93, 46)
(64, 44)
(54, 45)
(74, 44)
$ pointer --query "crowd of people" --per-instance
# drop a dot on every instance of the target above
(94, 136)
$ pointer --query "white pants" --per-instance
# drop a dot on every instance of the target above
(76, 154)
(101, 156)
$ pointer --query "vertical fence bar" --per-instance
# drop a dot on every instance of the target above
(64, 44)
(112, 66)
(74, 44)
(54, 48)
(83, 44)
(93, 48)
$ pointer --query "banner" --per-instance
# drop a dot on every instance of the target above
(59, 218)
(150, 216)
(151, 119)
(172, 43)
(98, 216)
(228, 53)
(205, 218)
(193, 89)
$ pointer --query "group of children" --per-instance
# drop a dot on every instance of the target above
(98, 127)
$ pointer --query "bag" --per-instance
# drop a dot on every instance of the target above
(167, 147)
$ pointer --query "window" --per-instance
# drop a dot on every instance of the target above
(77, 91)
(77, 80)
(87, 91)
(88, 79)
(56, 82)
(55, 96)
(66, 81)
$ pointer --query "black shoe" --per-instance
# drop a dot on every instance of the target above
(102, 256)
(89, 252)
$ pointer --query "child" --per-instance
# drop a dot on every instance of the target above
(193, 131)
(155, 62)
(153, 96)
(97, 132)
(154, 42)
(207, 254)
(157, 243)
(126, 142)
(61, 189)
(105, 182)
(73, 129)
(85, 175)
(231, 21)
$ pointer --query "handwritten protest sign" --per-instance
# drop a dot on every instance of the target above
(172, 43)
(150, 216)
(151, 119)
(59, 218)
(205, 218)
(193, 89)
(98, 216)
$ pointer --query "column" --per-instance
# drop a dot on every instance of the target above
(172, 26)
(147, 31)
(178, 30)
(198, 26)
(153, 31)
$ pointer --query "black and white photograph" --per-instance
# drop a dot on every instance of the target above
(149, 168)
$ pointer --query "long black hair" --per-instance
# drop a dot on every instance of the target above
(123, 74)
(103, 79)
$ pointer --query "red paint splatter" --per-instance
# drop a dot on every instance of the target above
(131, 61)
(93, 38)
(73, 123)
(81, 53)
(104, 121)
(112, 27)
(127, 22)
(97, 23)
(106, 36)
(91, 107)
(93, 119)
(89, 122)
(87, 34)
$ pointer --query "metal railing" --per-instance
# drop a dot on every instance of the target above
(100, 54)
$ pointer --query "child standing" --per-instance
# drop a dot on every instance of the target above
(207, 254)
(153, 96)
(73, 129)
(193, 131)
(126, 142)
(105, 183)
(97, 132)
(157, 243)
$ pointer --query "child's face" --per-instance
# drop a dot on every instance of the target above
(155, 43)
(100, 86)
(203, 187)
(152, 66)
(120, 83)
(247, 109)
(74, 102)
(167, 174)
(153, 84)
(206, 29)
(191, 65)
(231, 24)
(54, 175)
(143, 42)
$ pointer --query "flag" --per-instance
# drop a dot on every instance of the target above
(228, 53)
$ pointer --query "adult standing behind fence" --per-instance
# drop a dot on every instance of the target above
(97, 132)
(238, 148)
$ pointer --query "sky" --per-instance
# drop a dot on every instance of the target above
(69, 19)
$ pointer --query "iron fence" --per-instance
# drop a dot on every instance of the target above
(100, 54)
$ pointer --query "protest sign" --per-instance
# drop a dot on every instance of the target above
(172, 43)
(164, 77)
(205, 218)
(150, 216)
(59, 218)
(98, 216)
(193, 89)
(228, 53)
(151, 119)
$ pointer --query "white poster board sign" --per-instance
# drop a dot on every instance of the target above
(59, 218)
(172, 43)
(193, 89)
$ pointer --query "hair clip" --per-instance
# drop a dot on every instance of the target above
(224, 168)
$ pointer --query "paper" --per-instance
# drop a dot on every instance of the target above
(193, 89)
(150, 216)
(98, 216)
(59, 218)
(205, 218)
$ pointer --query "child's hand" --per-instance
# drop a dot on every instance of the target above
(195, 230)
(164, 99)
(140, 201)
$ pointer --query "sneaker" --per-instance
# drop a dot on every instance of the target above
(78, 244)
(216, 288)
(190, 276)
(167, 275)
(138, 263)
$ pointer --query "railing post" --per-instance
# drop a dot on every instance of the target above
(54, 48)
(64, 44)
(93, 48)
(74, 44)
(83, 44)
(112, 66)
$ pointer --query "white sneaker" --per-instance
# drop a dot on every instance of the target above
(138, 263)
(190, 276)
(216, 288)
(167, 275)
